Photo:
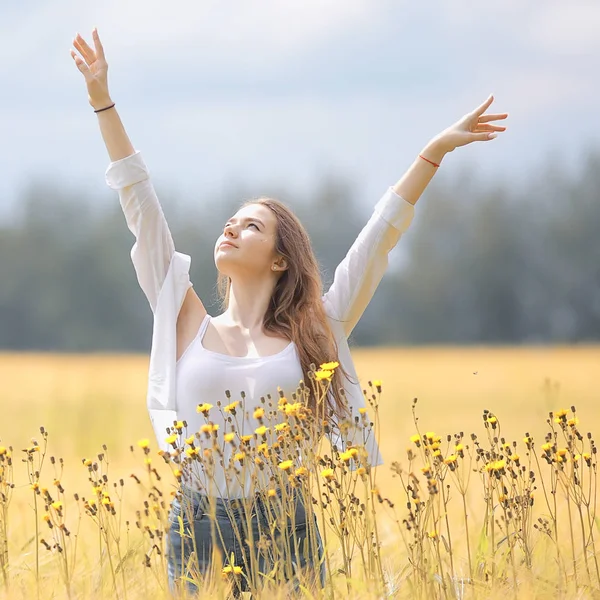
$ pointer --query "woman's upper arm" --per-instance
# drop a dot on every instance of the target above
(358, 275)
(153, 249)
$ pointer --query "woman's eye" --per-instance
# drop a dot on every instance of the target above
(253, 225)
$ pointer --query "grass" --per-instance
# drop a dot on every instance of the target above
(473, 537)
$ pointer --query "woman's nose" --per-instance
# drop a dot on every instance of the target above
(230, 231)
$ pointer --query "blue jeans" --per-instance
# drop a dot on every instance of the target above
(263, 550)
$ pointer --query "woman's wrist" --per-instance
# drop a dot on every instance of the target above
(434, 151)
(98, 105)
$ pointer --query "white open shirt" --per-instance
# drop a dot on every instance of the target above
(163, 275)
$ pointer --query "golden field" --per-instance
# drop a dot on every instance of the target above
(86, 401)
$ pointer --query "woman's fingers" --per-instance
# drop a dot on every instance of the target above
(485, 127)
(81, 64)
(98, 45)
(483, 137)
(497, 117)
(483, 107)
(88, 54)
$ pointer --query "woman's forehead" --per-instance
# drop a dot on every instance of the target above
(257, 211)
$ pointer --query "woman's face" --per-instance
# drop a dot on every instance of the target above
(247, 244)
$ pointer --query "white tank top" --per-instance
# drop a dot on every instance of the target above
(202, 377)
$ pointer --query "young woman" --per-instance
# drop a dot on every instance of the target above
(276, 323)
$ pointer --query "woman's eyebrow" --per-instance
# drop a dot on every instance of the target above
(247, 219)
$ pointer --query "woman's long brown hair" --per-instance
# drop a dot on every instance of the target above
(296, 309)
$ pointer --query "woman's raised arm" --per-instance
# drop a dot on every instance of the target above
(153, 251)
(94, 68)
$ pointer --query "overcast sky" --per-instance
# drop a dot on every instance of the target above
(280, 92)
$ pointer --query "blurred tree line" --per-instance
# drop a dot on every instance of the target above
(482, 263)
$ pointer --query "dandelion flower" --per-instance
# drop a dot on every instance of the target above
(345, 456)
(3, 451)
(282, 427)
(230, 408)
(323, 375)
(286, 465)
(327, 474)
(271, 493)
(143, 443)
(229, 437)
(301, 472)
(246, 438)
(240, 456)
(171, 439)
(58, 505)
(259, 413)
(362, 410)
(432, 535)
(209, 427)
(179, 425)
(203, 408)
(262, 430)
(232, 570)
(190, 440)
(330, 366)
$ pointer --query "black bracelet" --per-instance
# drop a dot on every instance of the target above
(103, 109)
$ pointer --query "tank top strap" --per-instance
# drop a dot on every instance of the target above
(203, 327)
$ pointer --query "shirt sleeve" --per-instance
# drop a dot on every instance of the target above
(153, 249)
(358, 275)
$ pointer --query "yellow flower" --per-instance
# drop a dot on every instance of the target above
(177, 473)
(345, 456)
(271, 493)
(561, 451)
(451, 459)
(240, 456)
(282, 427)
(283, 400)
(291, 409)
(35, 487)
(208, 427)
(259, 413)
(179, 425)
(229, 437)
(430, 435)
(327, 474)
(330, 366)
(262, 430)
(203, 408)
(171, 439)
(286, 465)
(547, 447)
(321, 375)
(561, 413)
(58, 505)
(492, 420)
(3, 451)
(514, 457)
(192, 451)
(190, 440)
(246, 438)
(362, 410)
(143, 443)
(230, 408)
(46, 517)
(232, 569)
(572, 422)
(361, 471)
(301, 471)
(378, 383)
(263, 449)
(432, 535)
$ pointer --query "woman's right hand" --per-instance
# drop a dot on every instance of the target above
(94, 68)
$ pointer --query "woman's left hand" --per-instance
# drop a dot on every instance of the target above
(473, 127)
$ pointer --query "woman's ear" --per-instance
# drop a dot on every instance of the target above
(280, 264)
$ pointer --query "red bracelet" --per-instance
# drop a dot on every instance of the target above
(429, 161)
